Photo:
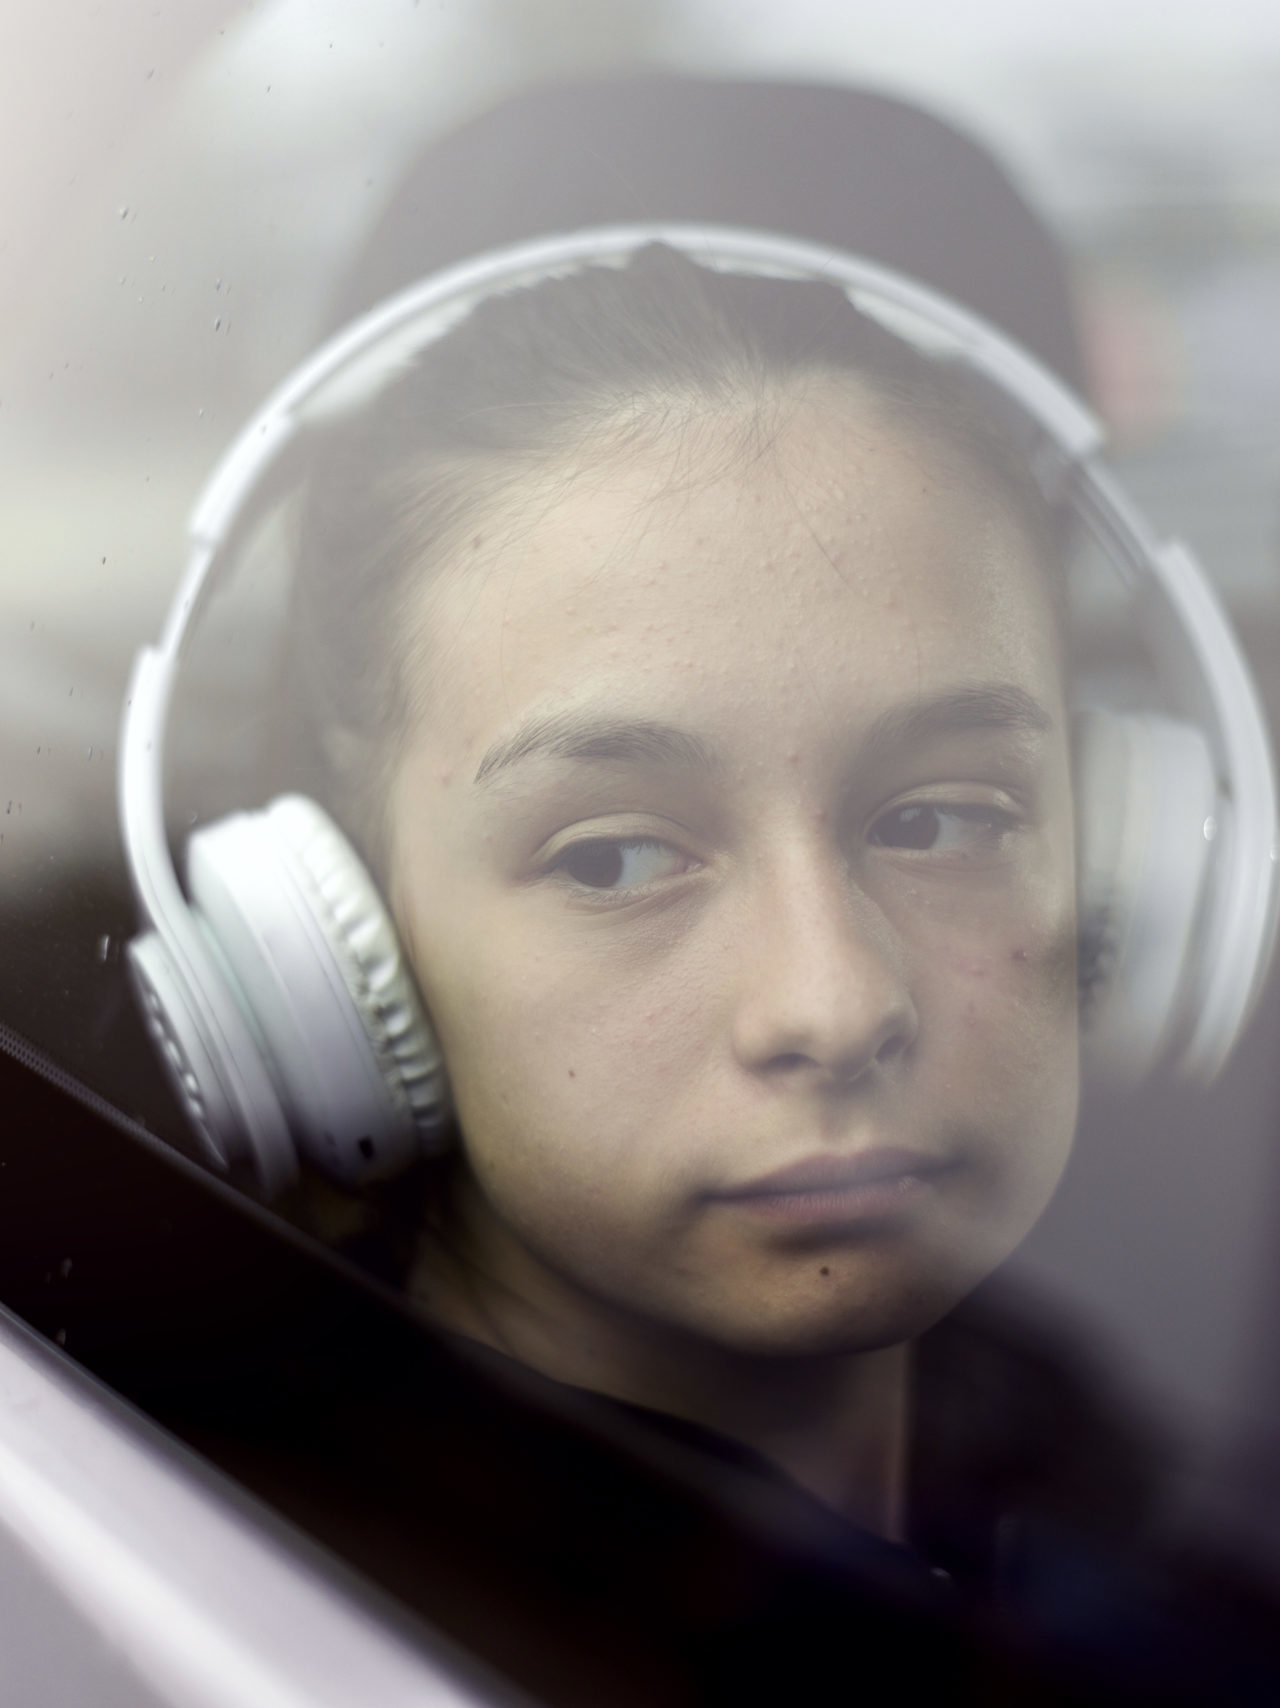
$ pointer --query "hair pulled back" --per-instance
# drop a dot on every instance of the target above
(612, 356)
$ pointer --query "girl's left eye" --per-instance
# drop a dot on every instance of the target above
(926, 827)
(621, 863)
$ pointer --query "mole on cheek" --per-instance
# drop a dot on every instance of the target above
(824, 1270)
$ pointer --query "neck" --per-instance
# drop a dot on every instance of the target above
(837, 1424)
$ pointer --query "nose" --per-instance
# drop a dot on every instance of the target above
(824, 988)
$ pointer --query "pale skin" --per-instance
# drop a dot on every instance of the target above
(733, 835)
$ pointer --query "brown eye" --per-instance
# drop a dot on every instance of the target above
(620, 864)
(597, 864)
(908, 827)
(958, 831)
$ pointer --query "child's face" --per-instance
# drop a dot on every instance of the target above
(735, 838)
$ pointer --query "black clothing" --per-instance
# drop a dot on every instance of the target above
(602, 1553)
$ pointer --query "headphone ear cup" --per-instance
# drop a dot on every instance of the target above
(214, 1064)
(1146, 803)
(313, 958)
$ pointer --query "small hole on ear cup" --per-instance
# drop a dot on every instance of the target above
(366, 1148)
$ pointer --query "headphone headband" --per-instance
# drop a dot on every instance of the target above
(349, 371)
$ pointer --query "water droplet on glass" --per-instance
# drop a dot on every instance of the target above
(104, 946)
(89, 754)
(217, 325)
(1210, 828)
(124, 211)
(64, 1268)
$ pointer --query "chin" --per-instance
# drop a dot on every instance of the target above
(840, 1325)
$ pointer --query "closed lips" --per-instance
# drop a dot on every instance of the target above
(840, 1173)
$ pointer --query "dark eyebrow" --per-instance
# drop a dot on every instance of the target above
(988, 706)
(587, 735)
(998, 707)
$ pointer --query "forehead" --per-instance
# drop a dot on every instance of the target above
(832, 562)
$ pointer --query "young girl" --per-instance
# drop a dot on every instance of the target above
(685, 655)
(689, 657)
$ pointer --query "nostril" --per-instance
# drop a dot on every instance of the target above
(891, 1049)
(791, 1059)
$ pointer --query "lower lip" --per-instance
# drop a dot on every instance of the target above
(866, 1201)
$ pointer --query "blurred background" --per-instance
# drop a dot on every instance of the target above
(182, 183)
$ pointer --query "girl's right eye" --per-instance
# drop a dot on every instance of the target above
(621, 863)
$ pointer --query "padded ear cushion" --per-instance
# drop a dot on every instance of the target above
(1146, 811)
(316, 966)
(363, 937)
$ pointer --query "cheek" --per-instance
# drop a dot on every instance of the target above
(997, 955)
(997, 994)
(1013, 983)
(569, 1066)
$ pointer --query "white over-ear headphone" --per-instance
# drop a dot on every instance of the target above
(275, 988)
